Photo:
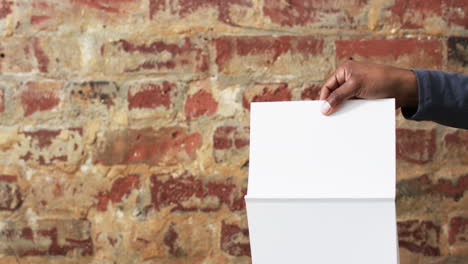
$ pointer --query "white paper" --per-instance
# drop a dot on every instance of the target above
(322, 188)
(295, 151)
(322, 232)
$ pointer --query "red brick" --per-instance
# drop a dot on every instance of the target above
(184, 8)
(51, 15)
(311, 92)
(187, 193)
(423, 185)
(17, 56)
(315, 13)
(112, 6)
(200, 103)
(121, 188)
(20, 54)
(170, 240)
(223, 137)
(160, 56)
(55, 237)
(166, 146)
(152, 95)
(414, 14)
(266, 92)
(416, 146)
(456, 145)
(40, 96)
(10, 194)
(419, 14)
(41, 57)
(458, 139)
(41, 11)
(38, 19)
(239, 202)
(246, 54)
(5, 8)
(234, 240)
(46, 148)
(458, 230)
(458, 14)
(229, 142)
(402, 52)
(420, 237)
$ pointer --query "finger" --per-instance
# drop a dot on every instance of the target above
(329, 85)
(332, 83)
(339, 96)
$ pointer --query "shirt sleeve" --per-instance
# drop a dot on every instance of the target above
(443, 98)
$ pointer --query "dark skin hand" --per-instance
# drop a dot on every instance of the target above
(357, 80)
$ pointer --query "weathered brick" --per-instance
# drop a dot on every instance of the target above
(17, 56)
(415, 14)
(316, 13)
(11, 197)
(402, 52)
(2, 100)
(259, 55)
(55, 237)
(266, 92)
(152, 95)
(166, 146)
(457, 16)
(41, 56)
(41, 11)
(420, 237)
(49, 147)
(234, 239)
(417, 146)
(170, 240)
(5, 8)
(429, 15)
(182, 55)
(40, 96)
(230, 141)
(456, 146)
(187, 193)
(121, 188)
(184, 8)
(50, 14)
(423, 185)
(458, 54)
(93, 93)
(311, 92)
(200, 103)
(52, 59)
(112, 6)
(52, 193)
(458, 231)
(177, 238)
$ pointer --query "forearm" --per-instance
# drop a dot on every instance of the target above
(443, 98)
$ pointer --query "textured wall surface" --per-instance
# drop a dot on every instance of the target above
(124, 124)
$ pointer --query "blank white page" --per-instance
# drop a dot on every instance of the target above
(296, 152)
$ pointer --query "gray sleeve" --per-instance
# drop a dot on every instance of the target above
(443, 98)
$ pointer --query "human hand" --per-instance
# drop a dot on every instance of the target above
(368, 81)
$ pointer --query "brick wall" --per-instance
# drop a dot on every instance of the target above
(124, 124)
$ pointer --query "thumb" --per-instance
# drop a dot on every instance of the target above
(338, 97)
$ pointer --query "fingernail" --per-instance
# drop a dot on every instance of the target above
(325, 107)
